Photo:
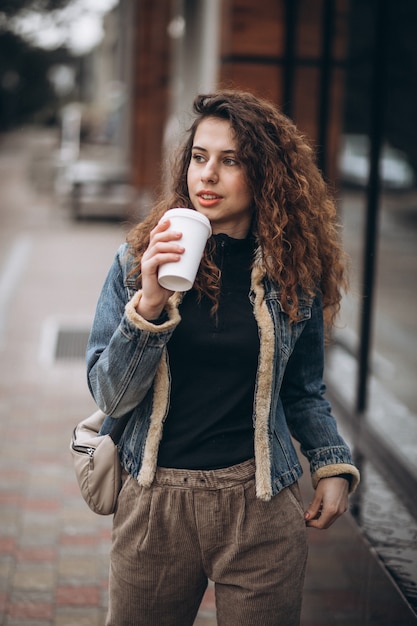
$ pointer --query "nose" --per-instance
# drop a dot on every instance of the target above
(209, 173)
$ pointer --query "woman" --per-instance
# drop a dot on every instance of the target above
(221, 377)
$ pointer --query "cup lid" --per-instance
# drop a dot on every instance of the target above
(190, 213)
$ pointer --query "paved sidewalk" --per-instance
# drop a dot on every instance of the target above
(53, 550)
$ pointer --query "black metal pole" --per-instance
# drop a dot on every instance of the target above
(373, 194)
(325, 82)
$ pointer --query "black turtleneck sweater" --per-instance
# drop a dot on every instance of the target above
(213, 363)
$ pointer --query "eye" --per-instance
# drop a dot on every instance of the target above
(198, 158)
(230, 161)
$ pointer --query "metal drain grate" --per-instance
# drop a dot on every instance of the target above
(71, 343)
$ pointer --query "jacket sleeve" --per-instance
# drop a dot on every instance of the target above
(308, 412)
(124, 349)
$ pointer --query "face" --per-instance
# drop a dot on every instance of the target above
(216, 179)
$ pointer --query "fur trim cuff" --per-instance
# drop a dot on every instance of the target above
(329, 471)
(137, 320)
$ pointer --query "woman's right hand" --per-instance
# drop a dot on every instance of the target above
(163, 248)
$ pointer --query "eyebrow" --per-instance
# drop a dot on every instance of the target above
(229, 151)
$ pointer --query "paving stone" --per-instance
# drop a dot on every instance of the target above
(37, 577)
(30, 611)
(77, 567)
(78, 595)
(83, 617)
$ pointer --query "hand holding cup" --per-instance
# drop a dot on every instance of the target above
(196, 229)
(167, 246)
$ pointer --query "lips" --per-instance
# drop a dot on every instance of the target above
(208, 198)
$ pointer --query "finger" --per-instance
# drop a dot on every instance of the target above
(159, 254)
(322, 521)
(163, 228)
(162, 241)
(328, 514)
(314, 509)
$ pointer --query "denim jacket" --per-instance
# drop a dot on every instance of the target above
(128, 370)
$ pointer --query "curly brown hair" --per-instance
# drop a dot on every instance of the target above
(294, 217)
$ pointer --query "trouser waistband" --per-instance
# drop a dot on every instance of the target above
(206, 479)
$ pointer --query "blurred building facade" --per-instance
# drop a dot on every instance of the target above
(290, 52)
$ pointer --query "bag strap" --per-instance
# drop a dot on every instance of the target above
(119, 427)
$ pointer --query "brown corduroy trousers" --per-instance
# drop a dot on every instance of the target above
(193, 525)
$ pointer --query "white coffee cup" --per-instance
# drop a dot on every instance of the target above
(195, 229)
